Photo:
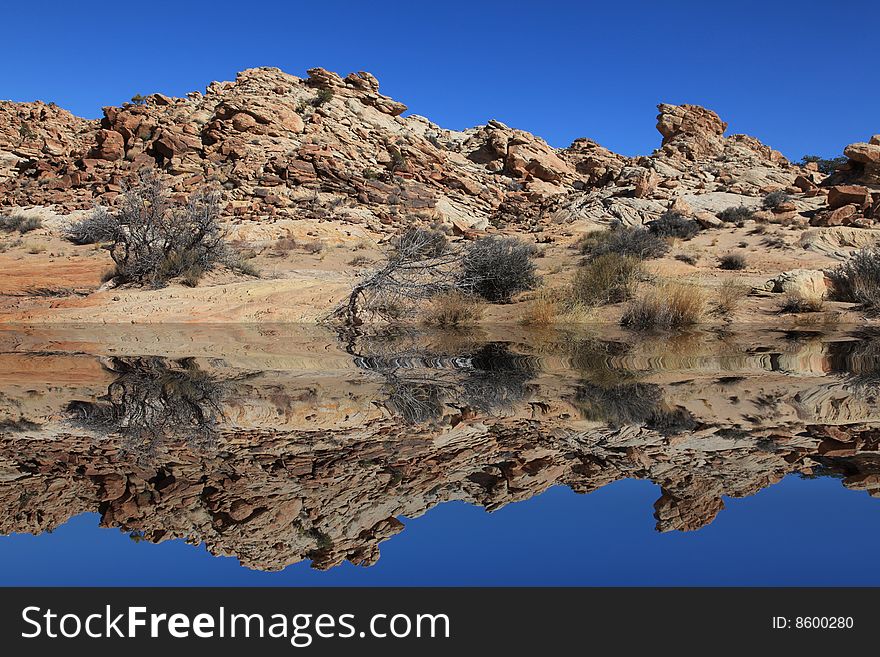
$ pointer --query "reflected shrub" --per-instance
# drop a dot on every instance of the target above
(153, 400)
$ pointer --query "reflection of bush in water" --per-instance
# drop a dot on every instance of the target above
(153, 399)
(488, 380)
(860, 360)
(631, 403)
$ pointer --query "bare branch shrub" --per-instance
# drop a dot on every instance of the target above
(156, 240)
(419, 266)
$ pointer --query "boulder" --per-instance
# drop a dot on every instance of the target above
(841, 195)
(110, 145)
(865, 153)
(806, 283)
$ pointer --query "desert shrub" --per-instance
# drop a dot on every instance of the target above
(313, 246)
(636, 242)
(730, 293)
(687, 259)
(97, 226)
(359, 261)
(608, 278)
(156, 240)
(324, 96)
(732, 261)
(284, 245)
(736, 214)
(775, 199)
(673, 224)
(452, 309)
(858, 279)
(668, 306)
(19, 223)
(591, 241)
(242, 266)
(418, 266)
(826, 165)
(802, 302)
(496, 268)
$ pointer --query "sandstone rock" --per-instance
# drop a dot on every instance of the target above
(842, 216)
(690, 130)
(804, 184)
(804, 282)
(682, 207)
(646, 183)
(841, 195)
(110, 145)
(863, 152)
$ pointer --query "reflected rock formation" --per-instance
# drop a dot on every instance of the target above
(276, 447)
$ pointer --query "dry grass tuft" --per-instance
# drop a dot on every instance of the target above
(452, 309)
(608, 278)
(544, 310)
(729, 294)
(665, 307)
(802, 302)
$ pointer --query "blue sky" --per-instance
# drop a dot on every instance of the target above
(794, 533)
(800, 75)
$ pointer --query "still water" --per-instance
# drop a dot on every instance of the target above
(292, 455)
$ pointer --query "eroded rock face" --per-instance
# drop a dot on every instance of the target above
(333, 148)
(690, 130)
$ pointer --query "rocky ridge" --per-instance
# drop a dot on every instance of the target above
(332, 148)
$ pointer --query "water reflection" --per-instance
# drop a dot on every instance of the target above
(277, 445)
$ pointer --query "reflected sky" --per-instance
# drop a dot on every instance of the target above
(799, 532)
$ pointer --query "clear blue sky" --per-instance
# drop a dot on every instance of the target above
(801, 75)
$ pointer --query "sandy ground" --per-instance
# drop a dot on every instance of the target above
(308, 268)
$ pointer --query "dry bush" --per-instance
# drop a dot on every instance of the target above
(284, 245)
(543, 310)
(156, 240)
(687, 259)
(496, 268)
(775, 199)
(608, 278)
(452, 309)
(858, 279)
(636, 242)
(359, 261)
(668, 306)
(736, 214)
(732, 261)
(97, 226)
(673, 224)
(19, 223)
(419, 266)
(313, 246)
(730, 293)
